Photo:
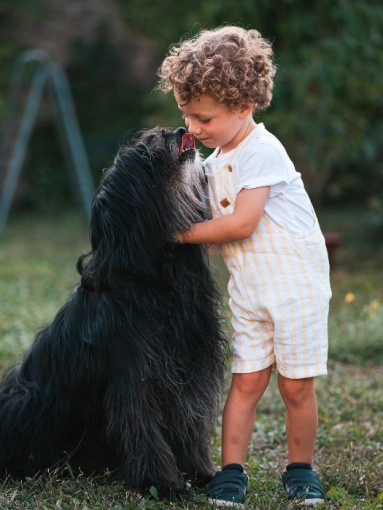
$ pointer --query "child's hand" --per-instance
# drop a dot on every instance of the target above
(180, 238)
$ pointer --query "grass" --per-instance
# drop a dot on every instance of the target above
(37, 261)
(356, 315)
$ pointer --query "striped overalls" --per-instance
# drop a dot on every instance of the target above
(279, 290)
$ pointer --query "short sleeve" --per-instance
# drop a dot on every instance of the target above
(260, 164)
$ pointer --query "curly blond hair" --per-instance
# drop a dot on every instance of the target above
(230, 63)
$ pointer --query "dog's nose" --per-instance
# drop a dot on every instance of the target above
(180, 131)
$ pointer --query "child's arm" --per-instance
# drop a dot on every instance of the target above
(239, 225)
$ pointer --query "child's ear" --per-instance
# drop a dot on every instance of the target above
(245, 110)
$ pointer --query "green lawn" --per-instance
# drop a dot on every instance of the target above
(37, 271)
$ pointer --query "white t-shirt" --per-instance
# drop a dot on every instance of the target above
(263, 161)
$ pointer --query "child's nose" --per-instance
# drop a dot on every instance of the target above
(193, 128)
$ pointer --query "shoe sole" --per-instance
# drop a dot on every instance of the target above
(224, 503)
(311, 502)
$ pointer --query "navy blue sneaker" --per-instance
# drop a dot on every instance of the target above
(301, 482)
(228, 487)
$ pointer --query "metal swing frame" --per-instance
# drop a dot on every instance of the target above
(51, 75)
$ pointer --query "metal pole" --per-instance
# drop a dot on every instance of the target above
(14, 94)
(18, 155)
(73, 133)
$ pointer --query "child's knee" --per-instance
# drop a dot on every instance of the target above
(295, 391)
(252, 383)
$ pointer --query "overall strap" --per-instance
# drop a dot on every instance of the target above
(249, 137)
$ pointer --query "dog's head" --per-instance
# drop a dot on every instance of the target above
(171, 167)
(152, 191)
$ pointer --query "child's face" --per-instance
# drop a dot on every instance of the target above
(213, 123)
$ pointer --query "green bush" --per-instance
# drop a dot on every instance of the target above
(327, 107)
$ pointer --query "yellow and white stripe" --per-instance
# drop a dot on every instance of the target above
(279, 291)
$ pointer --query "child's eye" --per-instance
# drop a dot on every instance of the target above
(205, 121)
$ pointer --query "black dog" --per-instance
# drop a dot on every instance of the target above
(128, 374)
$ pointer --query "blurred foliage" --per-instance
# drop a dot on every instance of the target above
(327, 107)
(107, 104)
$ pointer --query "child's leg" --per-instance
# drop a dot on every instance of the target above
(301, 418)
(239, 414)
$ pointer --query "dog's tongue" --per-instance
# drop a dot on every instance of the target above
(187, 142)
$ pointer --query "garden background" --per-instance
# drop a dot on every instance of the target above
(327, 110)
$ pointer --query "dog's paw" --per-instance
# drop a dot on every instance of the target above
(201, 479)
(168, 493)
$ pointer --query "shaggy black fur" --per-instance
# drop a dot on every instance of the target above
(128, 374)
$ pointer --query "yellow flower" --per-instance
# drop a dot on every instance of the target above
(374, 305)
(350, 296)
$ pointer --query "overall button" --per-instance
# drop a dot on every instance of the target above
(224, 202)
